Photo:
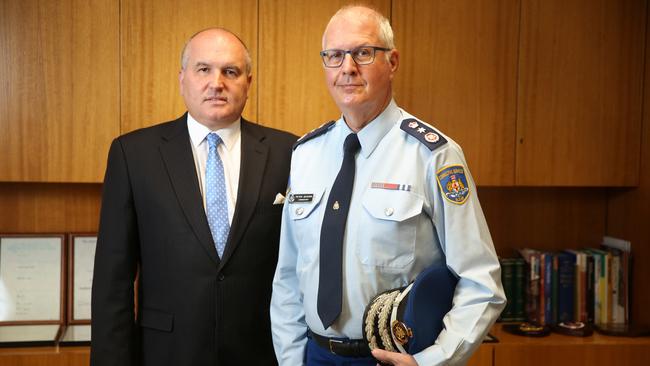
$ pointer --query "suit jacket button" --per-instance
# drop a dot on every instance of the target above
(221, 277)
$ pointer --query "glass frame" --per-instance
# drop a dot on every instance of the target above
(374, 49)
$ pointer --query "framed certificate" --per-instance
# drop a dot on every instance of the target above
(75, 335)
(31, 288)
(81, 259)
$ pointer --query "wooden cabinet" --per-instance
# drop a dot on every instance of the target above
(45, 356)
(458, 71)
(511, 350)
(59, 94)
(561, 350)
(153, 33)
(580, 92)
(538, 93)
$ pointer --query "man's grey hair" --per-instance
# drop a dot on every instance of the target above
(384, 30)
(185, 54)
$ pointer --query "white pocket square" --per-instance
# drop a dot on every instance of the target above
(279, 199)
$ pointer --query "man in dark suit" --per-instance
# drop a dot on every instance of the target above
(204, 280)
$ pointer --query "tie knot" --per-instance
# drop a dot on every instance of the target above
(351, 144)
(213, 140)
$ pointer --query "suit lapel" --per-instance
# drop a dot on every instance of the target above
(254, 155)
(176, 152)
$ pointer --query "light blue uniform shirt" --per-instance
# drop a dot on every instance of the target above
(391, 236)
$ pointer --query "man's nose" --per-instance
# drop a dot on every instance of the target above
(349, 66)
(216, 81)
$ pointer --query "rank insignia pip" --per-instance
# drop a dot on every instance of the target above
(453, 184)
(423, 132)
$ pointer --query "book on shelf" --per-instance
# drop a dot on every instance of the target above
(601, 284)
(620, 272)
(590, 285)
(532, 286)
(547, 293)
(512, 278)
(566, 282)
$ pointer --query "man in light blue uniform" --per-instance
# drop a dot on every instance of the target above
(413, 203)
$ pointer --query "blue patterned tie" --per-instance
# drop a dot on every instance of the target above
(331, 236)
(215, 195)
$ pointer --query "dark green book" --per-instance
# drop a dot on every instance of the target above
(507, 280)
(519, 289)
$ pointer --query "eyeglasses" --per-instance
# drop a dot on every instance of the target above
(362, 55)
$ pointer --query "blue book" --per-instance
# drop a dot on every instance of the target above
(548, 288)
(566, 263)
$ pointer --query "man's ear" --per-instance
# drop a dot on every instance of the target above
(181, 75)
(393, 61)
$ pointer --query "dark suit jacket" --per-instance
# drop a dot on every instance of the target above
(193, 308)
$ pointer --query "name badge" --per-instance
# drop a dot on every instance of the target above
(301, 197)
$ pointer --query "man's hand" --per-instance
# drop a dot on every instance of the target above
(394, 358)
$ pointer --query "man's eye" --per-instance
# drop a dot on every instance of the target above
(203, 69)
(362, 52)
(231, 73)
(335, 55)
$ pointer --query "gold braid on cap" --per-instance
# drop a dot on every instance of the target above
(370, 320)
(384, 331)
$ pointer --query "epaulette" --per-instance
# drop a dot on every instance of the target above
(423, 132)
(314, 133)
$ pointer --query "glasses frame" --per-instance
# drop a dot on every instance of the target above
(374, 49)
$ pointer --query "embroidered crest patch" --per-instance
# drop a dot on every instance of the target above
(453, 183)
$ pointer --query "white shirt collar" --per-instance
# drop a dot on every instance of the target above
(228, 135)
(372, 133)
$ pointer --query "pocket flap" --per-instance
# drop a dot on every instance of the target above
(392, 205)
(157, 319)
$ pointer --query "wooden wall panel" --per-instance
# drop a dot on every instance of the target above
(544, 218)
(580, 89)
(629, 212)
(458, 70)
(58, 89)
(48, 207)
(292, 91)
(153, 33)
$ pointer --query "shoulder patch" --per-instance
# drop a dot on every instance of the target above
(453, 183)
(314, 133)
(423, 132)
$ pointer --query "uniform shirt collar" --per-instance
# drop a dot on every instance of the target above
(375, 130)
(198, 132)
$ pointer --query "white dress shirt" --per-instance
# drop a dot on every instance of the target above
(229, 151)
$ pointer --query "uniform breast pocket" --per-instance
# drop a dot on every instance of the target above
(387, 236)
(305, 222)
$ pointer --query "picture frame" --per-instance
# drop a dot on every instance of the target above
(81, 254)
(32, 288)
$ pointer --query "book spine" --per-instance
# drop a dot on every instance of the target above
(541, 307)
(566, 275)
(519, 289)
(507, 280)
(554, 290)
(548, 288)
(590, 293)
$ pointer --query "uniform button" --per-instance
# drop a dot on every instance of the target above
(221, 277)
(389, 211)
(299, 211)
